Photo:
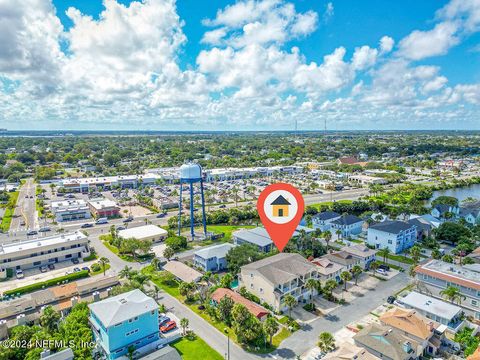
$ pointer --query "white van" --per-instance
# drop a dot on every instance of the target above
(103, 220)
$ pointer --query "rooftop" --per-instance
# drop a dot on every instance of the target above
(117, 309)
(391, 226)
(141, 232)
(15, 247)
(102, 203)
(182, 271)
(347, 220)
(409, 322)
(359, 250)
(257, 236)
(431, 305)
(218, 251)
(255, 309)
(326, 215)
(450, 272)
(281, 268)
(326, 267)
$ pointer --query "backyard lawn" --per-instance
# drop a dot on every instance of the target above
(195, 349)
(9, 209)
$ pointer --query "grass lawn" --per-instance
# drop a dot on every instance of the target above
(195, 349)
(330, 203)
(400, 258)
(279, 337)
(114, 249)
(107, 266)
(227, 229)
(9, 209)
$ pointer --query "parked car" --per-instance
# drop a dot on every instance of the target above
(384, 267)
(32, 232)
(120, 228)
(43, 269)
(86, 268)
(76, 269)
(75, 261)
(222, 206)
(103, 220)
(391, 299)
(168, 326)
(162, 319)
(51, 266)
(19, 274)
(161, 215)
(382, 272)
(88, 225)
(45, 229)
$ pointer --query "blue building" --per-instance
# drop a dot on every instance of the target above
(129, 319)
(398, 236)
(349, 225)
(212, 258)
(323, 220)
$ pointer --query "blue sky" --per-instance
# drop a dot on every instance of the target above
(240, 65)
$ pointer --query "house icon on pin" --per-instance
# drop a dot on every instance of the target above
(280, 206)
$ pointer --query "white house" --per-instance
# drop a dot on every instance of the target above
(349, 225)
(323, 220)
(395, 235)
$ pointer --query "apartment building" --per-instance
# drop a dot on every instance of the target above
(275, 277)
(436, 275)
(37, 252)
(323, 220)
(397, 236)
(67, 210)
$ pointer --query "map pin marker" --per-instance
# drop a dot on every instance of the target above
(280, 207)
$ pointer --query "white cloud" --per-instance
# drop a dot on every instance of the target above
(386, 44)
(466, 12)
(329, 12)
(423, 44)
(364, 57)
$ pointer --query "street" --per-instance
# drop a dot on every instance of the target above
(25, 215)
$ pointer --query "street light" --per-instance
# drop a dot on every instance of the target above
(228, 344)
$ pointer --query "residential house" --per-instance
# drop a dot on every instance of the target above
(424, 228)
(471, 212)
(475, 255)
(415, 326)
(164, 353)
(212, 258)
(436, 275)
(323, 220)
(363, 253)
(348, 225)
(343, 258)
(395, 235)
(182, 272)
(273, 278)
(118, 322)
(258, 237)
(328, 270)
(256, 310)
(437, 310)
(347, 351)
(384, 343)
(443, 211)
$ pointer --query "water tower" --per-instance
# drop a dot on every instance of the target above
(191, 173)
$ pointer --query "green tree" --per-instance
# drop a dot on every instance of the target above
(168, 253)
(290, 302)
(126, 272)
(226, 281)
(184, 325)
(329, 286)
(225, 306)
(312, 285)
(242, 255)
(345, 276)
(452, 232)
(326, 342)
(103, 263)
(327, 235)
(452, 294)
(384, 253)
(49, 319)
(415, 252)
(187, 289)
(270, 326)
(436, 254)
(356, 271)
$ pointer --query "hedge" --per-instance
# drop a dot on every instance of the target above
(44, 284)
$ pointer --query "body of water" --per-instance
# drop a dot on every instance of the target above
(460, 193)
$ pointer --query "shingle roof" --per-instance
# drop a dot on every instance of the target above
(218, 251)
(420, 223)
(280, 268)
(280, 200)
(122, 307)
(391, 226)
(257, 236)
(326, 215)
(342, 258)
(410, 322)
(255, 309)
(182, 271)
(165, 353)
(326, 267)
(347, 220)
(359, 250)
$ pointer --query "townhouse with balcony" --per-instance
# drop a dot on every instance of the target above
(323, 220)
(347, 225)
(436, 275)
(361, 252)
(273, 278)
(122, 321)
(32, 253)
(212, 258)
(395, 235)
(328, 270)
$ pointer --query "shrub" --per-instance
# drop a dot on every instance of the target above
(95, 267)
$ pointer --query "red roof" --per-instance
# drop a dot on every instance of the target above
(254, 308)
(350, 160)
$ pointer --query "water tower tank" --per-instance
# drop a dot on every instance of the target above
(190, 171)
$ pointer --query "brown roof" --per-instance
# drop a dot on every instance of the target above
(475, 355)
(254, 309)
(438, 275)
(409, 321)
(350, 160)
(66, 290)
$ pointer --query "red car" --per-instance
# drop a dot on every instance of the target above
(168, 326)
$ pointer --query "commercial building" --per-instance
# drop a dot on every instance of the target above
(444, 313)
(323, 220)
(37, 252)
(256, 310)
(149, 232)
(397, 236)
(129, 319)
(85, 185)
(67, 210)
(212, 258)
(436, 275)
(258, 237)
(273, 278)
(366, 180)
(362, 253)
(103, 208)
(347, 225)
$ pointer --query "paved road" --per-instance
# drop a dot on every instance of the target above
(25, 210)
(306, 338)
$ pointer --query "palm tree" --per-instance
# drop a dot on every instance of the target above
(339, 234)
(270, 326)
(290, 301)
(311, 285)
(356, 271)
(328, 287)
(126, 272)
(184, 325)
(452, 294)
(154, 292)
(103, 262)
(131, 352)
(373, 267)
(384, 253)
(155, 263)
(412, 271)
(168, 253)
(49, 319)
(326, 342)
(345, 276)
(415, 253)
(328, 236)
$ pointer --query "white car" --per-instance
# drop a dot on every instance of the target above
(382, 272)
(19, 274)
